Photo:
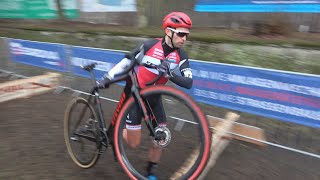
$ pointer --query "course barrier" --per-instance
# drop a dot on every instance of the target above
(286, 96)
(27, 87)
(223, 131)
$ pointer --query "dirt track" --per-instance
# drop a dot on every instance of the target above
(32, 147)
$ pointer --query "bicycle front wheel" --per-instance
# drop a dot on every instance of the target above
(185, 148)
(80, 132)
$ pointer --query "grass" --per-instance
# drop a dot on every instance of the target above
(208, 35)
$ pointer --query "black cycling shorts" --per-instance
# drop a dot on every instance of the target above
(155, 109)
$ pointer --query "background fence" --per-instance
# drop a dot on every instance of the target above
(155, 10)
(212, 88)
(282, 95)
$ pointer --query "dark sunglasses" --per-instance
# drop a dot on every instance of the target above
(179, 33)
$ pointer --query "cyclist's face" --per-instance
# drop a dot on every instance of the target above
(179, 36)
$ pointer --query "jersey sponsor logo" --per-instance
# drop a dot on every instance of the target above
(158, 50)
(172, 55)
(157, 53)
(187, 72)
(173, 58)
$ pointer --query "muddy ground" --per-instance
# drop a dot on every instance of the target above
(32, 147)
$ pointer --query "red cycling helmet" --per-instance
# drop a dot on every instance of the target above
(177, 19)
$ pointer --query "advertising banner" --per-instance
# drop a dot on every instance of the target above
(46, 55)
(297, 6)
(280, 95)
(36, 9)
(286, 96)
(108, 5)
(105, 60)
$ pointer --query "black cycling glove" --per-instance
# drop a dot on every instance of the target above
(164, 67)
(104, 82)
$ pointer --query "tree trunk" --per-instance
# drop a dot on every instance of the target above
(61, 16)
(142, 19)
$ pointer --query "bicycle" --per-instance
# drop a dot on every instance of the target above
(185, 140)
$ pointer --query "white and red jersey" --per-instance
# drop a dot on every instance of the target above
(154, 51)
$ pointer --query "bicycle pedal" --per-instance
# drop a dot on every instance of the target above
(111, 143)
(103, 148)
(75, 138)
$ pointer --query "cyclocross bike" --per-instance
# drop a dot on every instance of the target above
(185, 139)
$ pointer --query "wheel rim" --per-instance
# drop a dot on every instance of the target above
(183, 144)
(83, 151)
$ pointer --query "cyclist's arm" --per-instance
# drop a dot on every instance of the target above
(186, 79)
(119, 68)
(124, 63)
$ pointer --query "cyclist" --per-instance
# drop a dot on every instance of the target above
(176, 26)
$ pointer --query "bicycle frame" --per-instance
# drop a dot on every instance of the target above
(93, 127)
(131, 86)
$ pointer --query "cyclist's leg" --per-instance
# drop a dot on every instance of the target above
(132, 137)
(158, 111)
(160, 120)
(132, 132)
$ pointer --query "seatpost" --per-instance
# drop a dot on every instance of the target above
(93, 79)
(97, 97)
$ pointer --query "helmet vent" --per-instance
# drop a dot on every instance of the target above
(184, 21)
(175, 20)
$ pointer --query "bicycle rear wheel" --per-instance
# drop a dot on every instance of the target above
(80, 133)
(185, 154)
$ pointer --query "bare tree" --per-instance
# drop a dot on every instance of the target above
(142, 19)
(61, 16)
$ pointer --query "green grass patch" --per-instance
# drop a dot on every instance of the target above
(225, 46)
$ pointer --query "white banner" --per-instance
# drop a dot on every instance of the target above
(108, 5)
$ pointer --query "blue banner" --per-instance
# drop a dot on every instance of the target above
(45, 55)
(296, 6)
(105, 60)
(280, 95)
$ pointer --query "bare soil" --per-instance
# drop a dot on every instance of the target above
(32, 147)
